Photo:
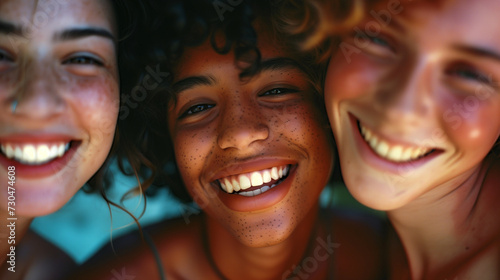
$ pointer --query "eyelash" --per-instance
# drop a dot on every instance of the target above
(380, 46)
(5, 57)
(469, 73)
(196, 109)
(83, 60)
(278, 91)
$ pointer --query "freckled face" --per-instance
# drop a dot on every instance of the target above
(418, 105)
(224, 128)
(58, 62)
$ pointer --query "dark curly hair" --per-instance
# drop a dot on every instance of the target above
(129, 16)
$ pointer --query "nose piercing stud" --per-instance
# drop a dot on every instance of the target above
(13, 106)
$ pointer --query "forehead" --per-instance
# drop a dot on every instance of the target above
(40, 15)
(458, 18)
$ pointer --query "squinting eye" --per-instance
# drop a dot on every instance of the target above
(469, 73)
(4, 57)
(197, 109)
(379, 41)
(83, 60)
(278, 91)
(379, 46)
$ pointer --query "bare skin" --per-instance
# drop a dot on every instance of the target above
(59, 99)
(223, 128)
(416, 111)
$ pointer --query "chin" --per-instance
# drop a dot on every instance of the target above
(36, 198)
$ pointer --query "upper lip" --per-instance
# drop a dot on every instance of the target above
(36, 138)
(247, 166)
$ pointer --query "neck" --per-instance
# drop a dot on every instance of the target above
(12, 230)
(445, 229)
(239, 261)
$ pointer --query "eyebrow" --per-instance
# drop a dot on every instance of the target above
(8, 28)
(64, 35)
(274, 64)
(191, 82)
(81, 32)
(481, 52)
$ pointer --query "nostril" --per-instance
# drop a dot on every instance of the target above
(241, 135)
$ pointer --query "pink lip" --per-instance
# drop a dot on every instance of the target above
(249, 166)
(43, 170)
(36, 138)
(383, 164)
(248, 204)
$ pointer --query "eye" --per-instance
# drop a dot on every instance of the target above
(469, 73)
(379, 46)
(5, 57)
(278, 92)
(83, 60)
(196, 109)
(5, 60)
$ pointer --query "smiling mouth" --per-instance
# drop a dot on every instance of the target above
(34, 154)
(254, 183)
(394, 153)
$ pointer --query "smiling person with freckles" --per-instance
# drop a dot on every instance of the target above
(59, 94)
(415, 109)
(253, 149)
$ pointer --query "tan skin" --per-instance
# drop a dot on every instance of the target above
(66, 89)
(428, 81)
(221, 126)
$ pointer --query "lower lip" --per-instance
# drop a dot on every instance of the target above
(262, 201)
(381, 163)
(43, 170)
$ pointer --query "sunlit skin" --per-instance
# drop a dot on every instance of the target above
(221, 125)
(242, 127)
(430, 80)
(58, 62)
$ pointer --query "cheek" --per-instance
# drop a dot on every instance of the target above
(473, 123)
(192, 147)
(97, 102)
(348, 80)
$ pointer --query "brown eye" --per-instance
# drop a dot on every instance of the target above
(5, 60)
(197, 109)
(278, 91)
(469, 73)
(83, 60)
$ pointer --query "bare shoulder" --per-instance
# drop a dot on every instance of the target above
(361, 238)
(166, 248)
(179, 244)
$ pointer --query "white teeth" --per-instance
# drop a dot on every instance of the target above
(42, 153)
(229, 187)
(266, 176)
(256, 179)
(241, 182)
(257, 192)
(34, 154)
(274, 173)
(236, 185)
(223, 186)
(29, 153)
(395, 153)
(9, 151)
(244, 182)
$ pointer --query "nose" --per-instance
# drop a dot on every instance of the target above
(240, 127)
(406, 96)
(36, 95)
